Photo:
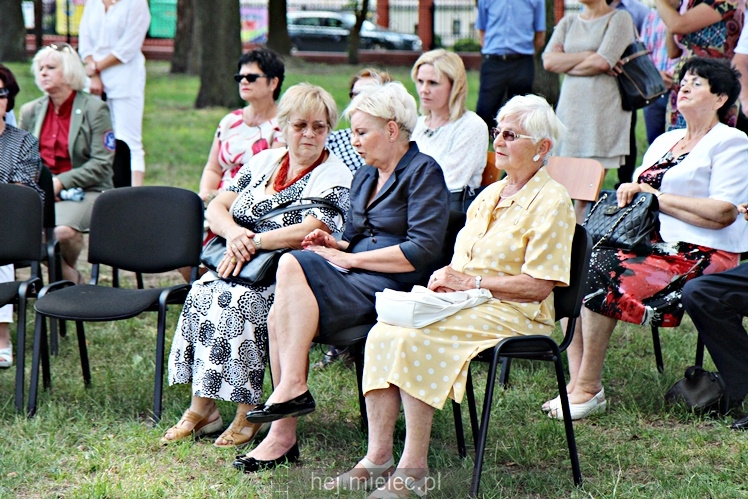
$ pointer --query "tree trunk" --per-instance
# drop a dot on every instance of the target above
(219, 37)
(12, 31)
(185, 59)
(355, 37)
(278, 39)
(546, 83)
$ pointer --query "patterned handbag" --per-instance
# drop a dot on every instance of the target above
(629, 228)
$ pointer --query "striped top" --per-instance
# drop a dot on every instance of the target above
(20, 162)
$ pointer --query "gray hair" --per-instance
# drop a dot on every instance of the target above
(535, 115)
(390, 102)
(306, 99)
(63, 54)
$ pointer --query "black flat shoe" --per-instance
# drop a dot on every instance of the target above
(298, 406)
(740, 424)
(251, 465)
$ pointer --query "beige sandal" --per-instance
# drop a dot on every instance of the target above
(234, 435)
(202, 426)
(403, 485)
(376, 472)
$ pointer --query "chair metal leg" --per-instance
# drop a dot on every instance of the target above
(506, 366)
(699, 352)
(459, 430)
(20, 354)
(472, 408)
(83, 350)
(35, 358)
(53, 337)
(657, 349)
(46, 373)
(568, 424)
(358, 360)
(159, 377)
(486, 416)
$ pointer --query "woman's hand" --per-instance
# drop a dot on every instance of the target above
(446, 279)
(743, 208)
(95, 86)
(239, 243)
(229, 266)
(333, 255)
(319, 237)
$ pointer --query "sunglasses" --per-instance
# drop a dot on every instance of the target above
(250, 77)
(61, 47)
(4, 93)
(508, 135)
(318, 128)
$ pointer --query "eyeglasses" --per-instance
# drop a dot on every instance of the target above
(62, 47)
(4, 93)
(508, 135)
(250, 77)
(318, 128)
(353, 94)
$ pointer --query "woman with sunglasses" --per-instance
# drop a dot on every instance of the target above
(220, 345)
(19, 164)
(516, 243)
(393, 237)
(249, 130)
(584, 48)
(455, 137)
(76, 143)
(110, 43)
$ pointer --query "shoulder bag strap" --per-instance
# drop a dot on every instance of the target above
(289, 206)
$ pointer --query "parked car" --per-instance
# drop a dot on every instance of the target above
(330, 32)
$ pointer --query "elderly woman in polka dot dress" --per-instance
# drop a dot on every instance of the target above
(517, 244)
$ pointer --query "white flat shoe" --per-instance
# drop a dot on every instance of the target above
(580, 411)
(6, 357)
(549, 405)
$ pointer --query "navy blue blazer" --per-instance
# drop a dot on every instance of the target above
(411, 210)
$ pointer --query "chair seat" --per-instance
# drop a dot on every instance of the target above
(8, 291)
(536, 346)
(98, 303)
(347, 336)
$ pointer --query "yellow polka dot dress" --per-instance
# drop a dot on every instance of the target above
(528, 233)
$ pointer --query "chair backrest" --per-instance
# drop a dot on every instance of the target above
(121, 174)
(582, 177)
(567, 300)
(490, 173)
(20, 224)
(146, 229)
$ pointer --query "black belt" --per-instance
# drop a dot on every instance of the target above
(506, 57)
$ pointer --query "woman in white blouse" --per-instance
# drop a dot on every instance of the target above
(455, 137)
(110, 41)
(698, 176)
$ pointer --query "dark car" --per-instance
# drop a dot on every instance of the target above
(330, 32)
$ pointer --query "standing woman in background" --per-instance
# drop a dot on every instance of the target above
(455, 137)
(584, 47)
(110, 41)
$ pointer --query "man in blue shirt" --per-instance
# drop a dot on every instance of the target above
(510, 32)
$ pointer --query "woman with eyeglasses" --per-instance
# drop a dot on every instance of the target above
(584, 48)
(110, 42)
(76, 143)
(516, 243)
(220, 344)
(19, 164)
(455, 137)
(393, 237)
(249, 130)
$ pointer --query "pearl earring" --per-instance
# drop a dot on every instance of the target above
(536, 157)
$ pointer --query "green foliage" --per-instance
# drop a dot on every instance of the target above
(466, 45)
(98, 442)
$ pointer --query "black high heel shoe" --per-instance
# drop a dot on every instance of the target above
(297, 406)
(251, 465)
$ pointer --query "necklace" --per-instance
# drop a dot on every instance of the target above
(280, 183)
(684, 145)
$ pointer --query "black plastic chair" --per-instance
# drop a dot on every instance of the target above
(355, 337)
(568, 304)
(658, 350)
(137, 229)
(21, 236)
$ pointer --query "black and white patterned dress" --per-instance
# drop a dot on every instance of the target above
(19, 158)
(339, 143)
(221, 340)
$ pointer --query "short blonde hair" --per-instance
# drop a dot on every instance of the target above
(63, 54)
(390, 102)
(535, 115)
(306, 99)
(446, 65)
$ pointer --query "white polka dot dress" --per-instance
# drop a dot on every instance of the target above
(528, 233)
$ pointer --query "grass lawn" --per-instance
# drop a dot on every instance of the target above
(98, 442)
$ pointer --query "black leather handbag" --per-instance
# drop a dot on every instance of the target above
(260, 270)
(640, 82)
(629, 228)
(700, 391)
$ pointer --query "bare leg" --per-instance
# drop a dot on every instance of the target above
(596, 331)
(71, 245)
(198, 405)
(136, 178)
(4, 335)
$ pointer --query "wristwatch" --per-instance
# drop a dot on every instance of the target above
(257, 240)
(478, 279)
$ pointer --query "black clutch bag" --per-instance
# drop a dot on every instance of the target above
(629, 228)
(640, 82)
